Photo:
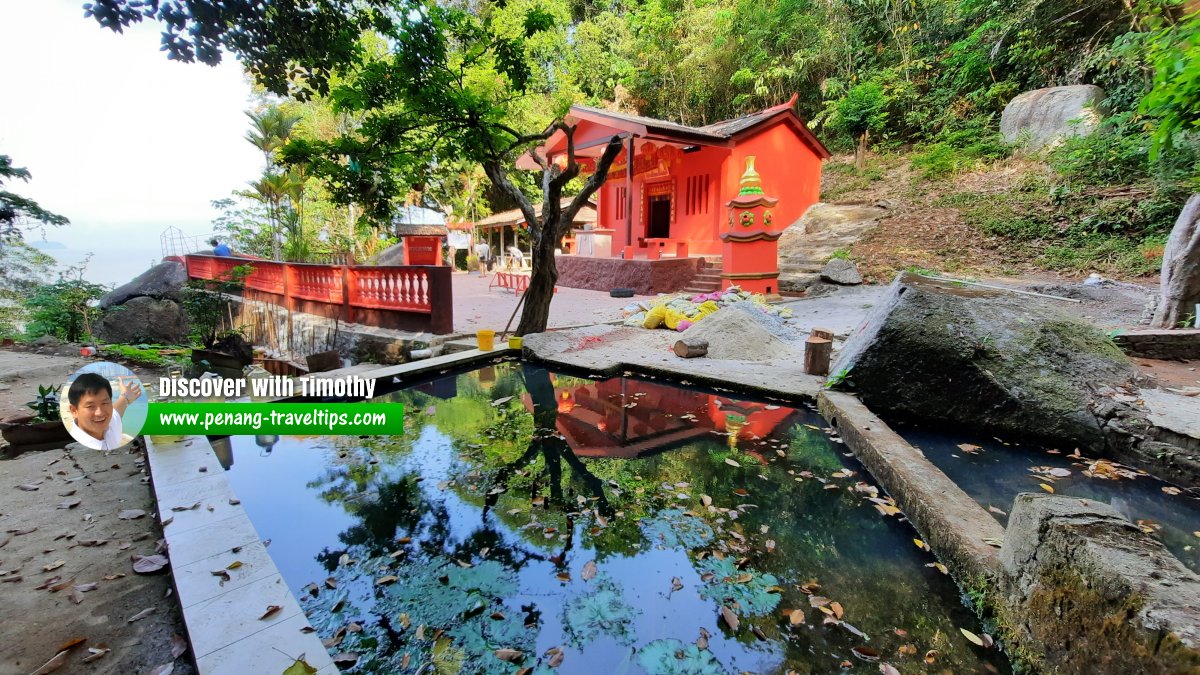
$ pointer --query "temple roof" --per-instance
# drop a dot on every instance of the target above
(417, 230)
(717, 133)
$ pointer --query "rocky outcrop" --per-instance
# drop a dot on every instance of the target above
(164, 280)
(984, 359)
(842, 272)
(144, 320)
(808, 244)
(1083, 590)
(1044, 117)
(392, 255)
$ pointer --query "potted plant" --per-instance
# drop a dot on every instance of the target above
(44, 426)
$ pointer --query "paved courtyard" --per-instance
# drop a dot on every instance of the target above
(477, 307)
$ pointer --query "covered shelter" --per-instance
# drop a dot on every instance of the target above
(500, 230)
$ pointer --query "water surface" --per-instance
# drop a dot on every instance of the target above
(577, 526)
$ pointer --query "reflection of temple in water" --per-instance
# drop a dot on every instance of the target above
(627, 418)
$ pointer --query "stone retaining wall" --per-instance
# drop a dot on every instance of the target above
(1160, 344)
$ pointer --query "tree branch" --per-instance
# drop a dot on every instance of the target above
(593, 183)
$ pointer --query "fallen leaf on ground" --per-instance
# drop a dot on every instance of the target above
(272, 610)
(54, 565)
(28, 487)
(70, 503)
(131, 514)
(95, 653)
(56, 662)
(84, 588)
(141, 615)
(165, 669)
(178, 645)
(149, 564)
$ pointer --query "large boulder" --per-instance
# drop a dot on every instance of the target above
(144, 319)
(1044, 117)
(985, 359)
(392, 255)
(1083, 590)
(164, 280)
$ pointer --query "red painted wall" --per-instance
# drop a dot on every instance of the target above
(790, 170)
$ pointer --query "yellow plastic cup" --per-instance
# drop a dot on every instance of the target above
(514, 342)
(486, 339)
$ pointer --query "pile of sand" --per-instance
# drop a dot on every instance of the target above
(740, 332)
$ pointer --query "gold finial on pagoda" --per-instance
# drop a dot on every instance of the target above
(751, 181)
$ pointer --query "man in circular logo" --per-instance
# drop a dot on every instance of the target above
(97, 416)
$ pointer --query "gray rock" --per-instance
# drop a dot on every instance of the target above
(841, 271)
(1085, 591)
(983, 359)
(392, 255)
(144, 319)
(164, 280)
(47, 341)
(1044, 117)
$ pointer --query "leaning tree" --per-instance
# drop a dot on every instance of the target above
(455, 85)
(1175, 100)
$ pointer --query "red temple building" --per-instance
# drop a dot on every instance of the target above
(677, 202)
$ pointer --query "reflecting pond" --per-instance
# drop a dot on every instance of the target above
(993, 471)
(528, 521)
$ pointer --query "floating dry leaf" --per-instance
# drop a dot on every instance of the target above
(837, 609)
(971, 636)
(676, 584)
(272, 610)
(996, 510)
(907, 649)
(729, 618)
(1171, 490)
(969, 448)
(389, 579)
(706, 500)
(741, 493)
(865, 653)
(795, 616)
(921, 545)
(818, 601)
(509, 655)
(556, 656)
(589, 570)
(1047, 488)
(563, 576)
(931, 656)
(888, 669)
(345, 659)
(729, 461)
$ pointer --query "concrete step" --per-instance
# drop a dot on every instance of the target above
(801, 267)
(708, 276)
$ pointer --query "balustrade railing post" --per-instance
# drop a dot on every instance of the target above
(347, 308)
(441, 300)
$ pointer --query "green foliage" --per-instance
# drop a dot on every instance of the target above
(66, 308)
(207, 308)
(16, 211)
(143, 355)
(1175, 97)
(46, 403)
(862, 110)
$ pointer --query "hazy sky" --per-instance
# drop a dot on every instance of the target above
(118, 139)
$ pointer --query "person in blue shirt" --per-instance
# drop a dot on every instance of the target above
(220, 248)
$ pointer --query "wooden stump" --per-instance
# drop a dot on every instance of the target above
(824, 333)
(323, 362)
(690, 348)
(816, 355)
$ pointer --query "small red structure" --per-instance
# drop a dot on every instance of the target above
(751, 238)
(422, 243)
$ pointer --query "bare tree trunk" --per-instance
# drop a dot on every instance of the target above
(536, 315)
(860, 152)
(1180, 290)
